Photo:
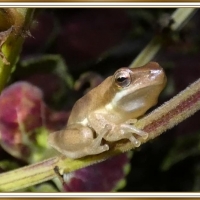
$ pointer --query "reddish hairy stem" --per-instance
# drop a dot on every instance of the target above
(165, 117)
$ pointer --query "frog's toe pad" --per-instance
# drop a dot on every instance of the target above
(103, 148)
(100, 149)
(136, 142)
(144, 135)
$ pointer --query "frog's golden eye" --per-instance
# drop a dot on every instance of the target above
(122, 78)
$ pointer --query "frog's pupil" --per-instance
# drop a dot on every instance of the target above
(121, 79)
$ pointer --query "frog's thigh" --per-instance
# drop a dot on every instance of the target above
(71, 141)
(76, 142)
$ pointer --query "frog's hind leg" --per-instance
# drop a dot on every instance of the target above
(96, 144)
(78, 141)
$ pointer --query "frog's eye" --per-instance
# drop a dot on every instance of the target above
(122, 78)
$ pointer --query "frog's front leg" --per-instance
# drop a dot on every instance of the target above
(78, 141)
(129, 127)
(125, 130)
(129, 130)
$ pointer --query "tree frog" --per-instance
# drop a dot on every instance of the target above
(108, 112)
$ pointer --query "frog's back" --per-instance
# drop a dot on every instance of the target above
(93, 100)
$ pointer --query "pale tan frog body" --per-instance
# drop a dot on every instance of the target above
(109, 111)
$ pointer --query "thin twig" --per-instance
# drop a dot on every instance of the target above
(180, 17)
(11, 44)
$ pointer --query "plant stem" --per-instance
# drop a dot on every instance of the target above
(180, 17)
(165, 117)
(20, 19)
